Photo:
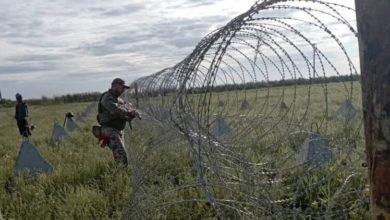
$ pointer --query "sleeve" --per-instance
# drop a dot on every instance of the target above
(16, 112)
(26, 107)
(108, 102)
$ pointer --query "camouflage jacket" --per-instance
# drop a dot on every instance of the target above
(114, 112)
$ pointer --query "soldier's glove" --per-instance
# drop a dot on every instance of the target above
(133, 114)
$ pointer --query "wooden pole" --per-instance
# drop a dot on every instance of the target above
(373, 23)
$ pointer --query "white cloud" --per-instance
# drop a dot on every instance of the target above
(54, 47)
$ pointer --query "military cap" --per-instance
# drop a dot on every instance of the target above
(120, 82)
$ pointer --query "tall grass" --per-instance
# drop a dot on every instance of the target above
(161, 181)
(85, 184)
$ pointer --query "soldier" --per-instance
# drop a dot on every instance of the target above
(113, 113)
(21, 116)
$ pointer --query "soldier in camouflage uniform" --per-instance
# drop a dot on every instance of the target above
(21, 116)
(113, 115)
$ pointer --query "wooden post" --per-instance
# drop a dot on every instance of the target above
(374, 44)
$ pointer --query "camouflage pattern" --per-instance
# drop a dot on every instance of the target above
(114, 112)
(116, 144)
(113, 115)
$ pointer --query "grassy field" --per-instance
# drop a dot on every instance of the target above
(85, 184)
(162, 181)
(266, 134)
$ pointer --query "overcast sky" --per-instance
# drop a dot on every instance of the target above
(54, 47)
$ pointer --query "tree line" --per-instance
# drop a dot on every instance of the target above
(253, 85)
(278, 83)
(94, 96)
(44, 100)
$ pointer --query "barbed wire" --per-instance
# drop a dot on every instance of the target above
(265, 114)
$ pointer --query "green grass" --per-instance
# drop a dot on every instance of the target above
(85, 184)
(273, 137)
(162, 181)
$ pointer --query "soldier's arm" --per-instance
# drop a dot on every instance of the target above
(16, 112)
(133, 111)
(108, 102)
(25, 105)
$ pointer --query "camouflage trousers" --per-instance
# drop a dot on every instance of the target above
(116, 144)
